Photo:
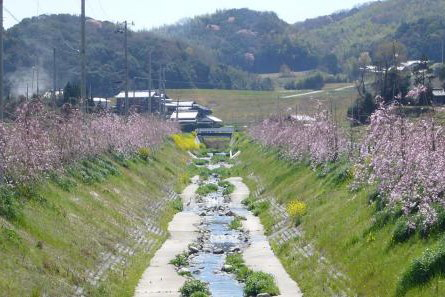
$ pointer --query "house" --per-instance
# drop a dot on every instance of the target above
(102, 102)
(142, 101)
(438, 96)
(191, 115)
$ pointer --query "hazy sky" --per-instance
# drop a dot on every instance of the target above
(150, 13)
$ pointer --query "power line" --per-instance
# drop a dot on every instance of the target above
(11, 14)
(103, 10)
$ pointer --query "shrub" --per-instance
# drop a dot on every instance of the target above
(177, 204)
(144, 153)
(65, 183)
(402, 231)
(9, 236)
(314, 81)
(260, 282)
(200, 294)
(228, 187)
(236, 224)
(239, 267)
(9, 206)
(192, 287)
(185, 142)
(207, 189)
(200, 162)
(219, 158)
(423, 269)
(181, 260)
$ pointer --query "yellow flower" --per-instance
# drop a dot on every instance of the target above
(296, 208)
(185, 142)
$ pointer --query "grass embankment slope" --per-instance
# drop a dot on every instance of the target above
(74, 227)
(243, 107)
(338, 251)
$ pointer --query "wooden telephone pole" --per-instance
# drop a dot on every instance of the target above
(83, 89)
(1, 61)
(126, 109)
(54, 78)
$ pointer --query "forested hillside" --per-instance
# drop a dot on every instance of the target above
(221, 50)
(255, 41)
(364, 29)
(32, 41)
(261, 42)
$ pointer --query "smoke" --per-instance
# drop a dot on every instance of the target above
(27, 80)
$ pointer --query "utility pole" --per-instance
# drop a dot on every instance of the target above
(442, 51)
(126, 67)
(161, 109)
(32, 82)
(149, 82)
(27, 91)
(83, 79)
(37, 78)
(1, 61)
(54, 78)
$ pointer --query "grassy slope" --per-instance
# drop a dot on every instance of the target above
(357, 263)
(50, 249)
(243, 107)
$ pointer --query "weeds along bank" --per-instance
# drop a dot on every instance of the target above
(91, 231)
(85, 202)
(333, 236)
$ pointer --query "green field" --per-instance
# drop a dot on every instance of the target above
(245, 107)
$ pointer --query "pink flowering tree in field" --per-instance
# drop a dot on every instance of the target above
(40, 140)
(317, 140)
(405, 159)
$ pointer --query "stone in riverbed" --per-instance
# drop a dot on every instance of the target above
(230, 213)
(184, 270)
(227, 268)
(218, 251)
(263, 295)
(235, 249)
(193, 249)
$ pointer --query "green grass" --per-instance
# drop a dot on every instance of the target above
(244, 107)
(180, 260)
(68, 221)
(206, 189)
(361, 259)
(256, 282)
(236, 224)
(194, 288)
(228, 187)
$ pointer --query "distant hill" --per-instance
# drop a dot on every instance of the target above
(363, 27)
(225, 49)
(261, 42)
(31, 43)
(254, 41)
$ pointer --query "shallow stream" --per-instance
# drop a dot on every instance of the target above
(217, 240)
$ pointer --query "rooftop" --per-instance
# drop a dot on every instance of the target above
(184, 115)
(136, 94)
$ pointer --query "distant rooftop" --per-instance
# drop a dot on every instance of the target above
(184, 115)
(136, 94)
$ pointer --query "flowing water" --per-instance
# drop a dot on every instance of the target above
(217, 240)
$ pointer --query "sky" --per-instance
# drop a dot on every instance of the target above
(147, 14)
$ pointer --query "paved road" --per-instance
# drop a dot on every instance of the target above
(317, 92)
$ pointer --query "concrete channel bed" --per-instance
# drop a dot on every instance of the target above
(204, 225)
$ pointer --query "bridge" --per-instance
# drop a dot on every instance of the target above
(224, 132)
